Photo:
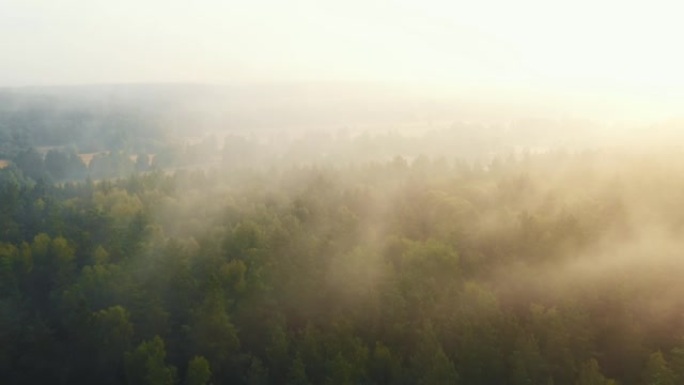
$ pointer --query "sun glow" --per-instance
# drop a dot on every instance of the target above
(609, 49)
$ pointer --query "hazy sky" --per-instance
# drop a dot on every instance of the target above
(485, 43)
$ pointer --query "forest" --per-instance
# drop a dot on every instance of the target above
(357, 192)
(547, 267)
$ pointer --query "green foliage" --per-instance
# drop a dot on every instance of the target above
(384, 368)
(440, 370)
(677, 364)
(113, 334)
(297, 374)
(257, 374)
(429, 364)
(590, 374)
(198, 372)
(214, 336)
(111, 165)
(146, 365)
(657, 371)
(377, 273)
(527, 365)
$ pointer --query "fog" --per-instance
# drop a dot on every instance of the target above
(585, 58)
(361, 192)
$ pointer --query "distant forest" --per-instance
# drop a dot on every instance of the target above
(452, 257)
(95, 133)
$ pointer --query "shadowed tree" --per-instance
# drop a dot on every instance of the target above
(146, 365)
(590, 374)
(198, 372)
(113, 332)
(657, 371)
(297, 374)
(214, 336)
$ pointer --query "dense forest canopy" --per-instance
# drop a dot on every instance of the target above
(382, 258)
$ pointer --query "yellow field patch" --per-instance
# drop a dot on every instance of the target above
(86, 158)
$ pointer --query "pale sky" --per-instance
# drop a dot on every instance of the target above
(492, 44)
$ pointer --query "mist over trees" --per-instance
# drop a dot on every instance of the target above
(467, 253)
